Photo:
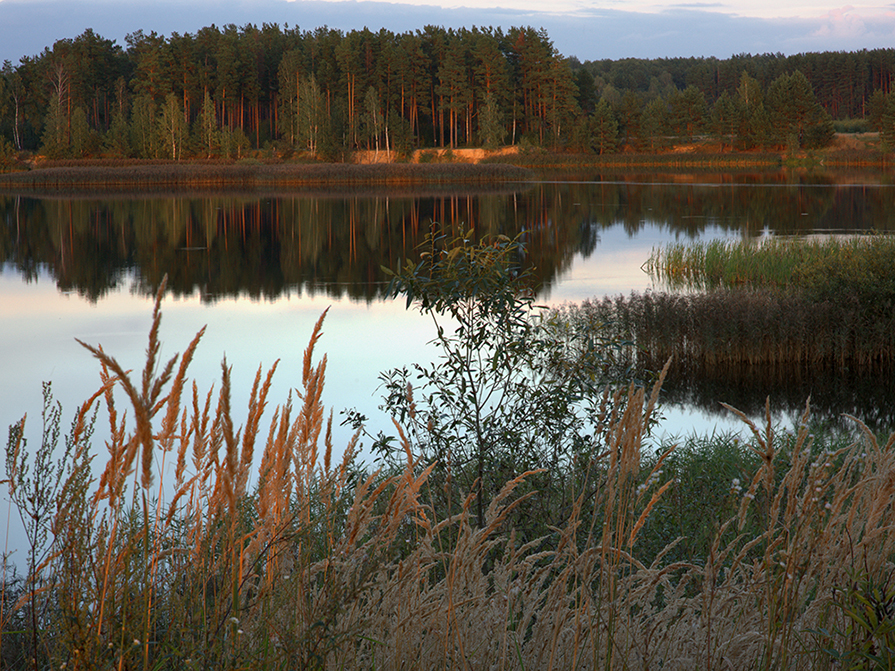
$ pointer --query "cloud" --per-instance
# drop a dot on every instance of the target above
(842, 24)
(581, 29)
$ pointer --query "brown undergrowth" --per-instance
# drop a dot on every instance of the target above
(204, 545)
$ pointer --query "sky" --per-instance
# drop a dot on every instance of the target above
(585, 29)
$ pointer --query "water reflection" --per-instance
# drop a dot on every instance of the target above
(333, 245)
(268, 245)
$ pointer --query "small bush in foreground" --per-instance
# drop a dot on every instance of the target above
(204, 545)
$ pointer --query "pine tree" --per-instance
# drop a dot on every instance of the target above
(56, 138)
(723, 120)
(654, 124)
(687, 112)
(82, 136)
(603, 128)
(491, 128)
(452, 89)
(752, 127)
(207, 134)
(887, 123)
(797, 118)
(117, 138)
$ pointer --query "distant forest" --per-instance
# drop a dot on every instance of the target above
(235, 92)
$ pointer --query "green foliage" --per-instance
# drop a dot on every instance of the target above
(707, 476)
(654, 124)
(172, 128)
(83, 138)
(866, 605)
(436, 87)
(491, 127)
(313, 126)
(56, 138)
(856, 126)
(723, 120)
(304, 563)
(512, 392)
(43, 487)
(687, 112)
(827, 268)
(206, 128)
(603, 129)
(884, 115)
(795, 113)
(144, 138)
(234, 143)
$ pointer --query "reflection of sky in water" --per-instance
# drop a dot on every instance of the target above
(615, 268)
(40, 324)
(37, 339)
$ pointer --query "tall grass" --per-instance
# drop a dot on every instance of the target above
(827, 268)
(209, 543)
(732, 331)
(792, 303)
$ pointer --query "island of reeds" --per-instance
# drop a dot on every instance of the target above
(516, 515)
(785, 303)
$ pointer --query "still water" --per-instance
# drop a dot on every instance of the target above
(260, 269)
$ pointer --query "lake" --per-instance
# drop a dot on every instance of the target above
(260, 268)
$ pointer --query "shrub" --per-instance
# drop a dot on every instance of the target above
(174, 558)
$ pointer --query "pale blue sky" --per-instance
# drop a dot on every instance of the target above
(587, 29)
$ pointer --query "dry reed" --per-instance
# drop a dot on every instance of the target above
(328, 567)
(725, 328)
(255, 175)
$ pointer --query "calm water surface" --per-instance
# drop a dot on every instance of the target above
(259, 270)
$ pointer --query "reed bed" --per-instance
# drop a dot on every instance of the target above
(828, 267)
(209, 543)
(255, 175)
(794, 304)
(728, 329)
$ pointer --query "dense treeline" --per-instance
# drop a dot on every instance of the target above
(228, 91)
(844, 82)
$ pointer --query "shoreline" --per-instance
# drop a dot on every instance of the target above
(429, 167)
(255, 175)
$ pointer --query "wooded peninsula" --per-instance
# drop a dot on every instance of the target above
(277, 94)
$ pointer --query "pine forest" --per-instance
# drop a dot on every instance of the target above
(278, 92)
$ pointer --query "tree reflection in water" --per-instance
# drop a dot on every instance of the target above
(251, 245)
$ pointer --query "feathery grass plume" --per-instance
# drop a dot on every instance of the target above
(144, 403)
(257, 405)
(228, 471)
(172, 400)
(309, 422)
(329, 567)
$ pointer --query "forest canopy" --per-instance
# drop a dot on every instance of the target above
(231, 91)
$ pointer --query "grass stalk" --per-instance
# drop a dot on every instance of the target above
(243, 556)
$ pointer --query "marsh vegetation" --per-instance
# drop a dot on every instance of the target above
(213, 539)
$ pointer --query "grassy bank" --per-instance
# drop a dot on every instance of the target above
(254, 175)
(219, 541)
(427, 166)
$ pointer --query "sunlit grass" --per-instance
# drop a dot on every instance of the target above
(825, 267)
(214, 541)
